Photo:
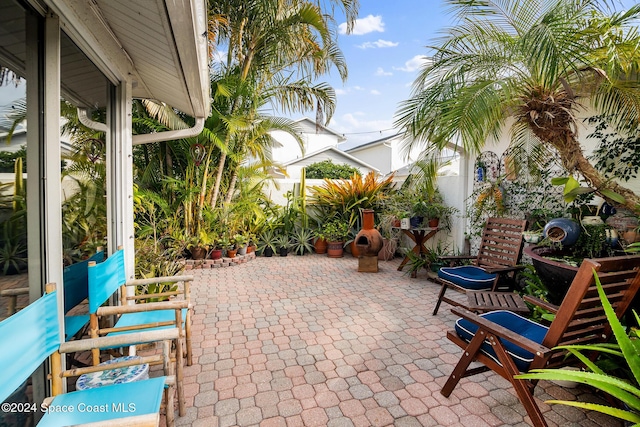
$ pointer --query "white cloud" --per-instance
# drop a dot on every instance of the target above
(381, 72)
(364, 25)
(413, 64)
(375, 92)
(340, 91)
(377, 44)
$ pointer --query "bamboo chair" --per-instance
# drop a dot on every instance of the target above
(509, 344)
(33, 335)
(499, 255)
(107, 279)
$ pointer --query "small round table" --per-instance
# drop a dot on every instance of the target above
(114, 376)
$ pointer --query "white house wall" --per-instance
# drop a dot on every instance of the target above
(378, 156)
(290, 149)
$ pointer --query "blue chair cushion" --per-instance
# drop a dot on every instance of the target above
(468, 277)
(514, 322)
(105, 403)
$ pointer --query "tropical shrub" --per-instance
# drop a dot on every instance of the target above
(330, 170)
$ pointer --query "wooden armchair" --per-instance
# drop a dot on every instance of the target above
(33, 335)
(509, 344)
(498, 256)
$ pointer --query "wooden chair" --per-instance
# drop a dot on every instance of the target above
(499, 255)
(108, 278)
(33, 334)
(509, 344)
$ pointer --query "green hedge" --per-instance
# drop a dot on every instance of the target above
(327, 169)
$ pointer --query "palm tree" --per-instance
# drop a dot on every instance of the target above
(289, 42)
(537, 62)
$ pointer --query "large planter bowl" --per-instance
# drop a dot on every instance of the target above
(556, 276)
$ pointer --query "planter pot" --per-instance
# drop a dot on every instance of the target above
(268, 252)
(434, 222)
(405, 223)
(231, 253)
(415, 221)
(242, 250)
(320, 246)
(251, 248)
(355, 251)
(335, 249)
(216, 254)
(562, 230)
(198, 252)
(435, 266)
(388, 250)
(283, 251)
(555, 276)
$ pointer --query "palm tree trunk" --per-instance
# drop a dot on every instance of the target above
(573, 158)
(232, 186)
(216, 188)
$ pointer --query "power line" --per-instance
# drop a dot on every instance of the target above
(371, 131)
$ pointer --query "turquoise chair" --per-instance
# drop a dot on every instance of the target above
(32, 335)
(107, 278)
(76, 290)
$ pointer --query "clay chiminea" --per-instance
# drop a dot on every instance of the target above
(369, 242)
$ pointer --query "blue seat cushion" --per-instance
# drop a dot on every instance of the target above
(514, 322)
(105, 403)
(468, 277)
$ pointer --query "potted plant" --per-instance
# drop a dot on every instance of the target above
(267, 242)
(301, 241)
(283, 242)
(336, 232)
(241, 241)
(320, 243)
(199, 245)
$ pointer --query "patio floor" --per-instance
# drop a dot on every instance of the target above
(309, 341)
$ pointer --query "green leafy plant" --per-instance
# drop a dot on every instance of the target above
(301, 241)
(335, 230)
(330, 170)
(267, 239)
(154, 262)
(625, 349)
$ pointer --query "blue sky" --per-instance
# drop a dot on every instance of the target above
(383, 55)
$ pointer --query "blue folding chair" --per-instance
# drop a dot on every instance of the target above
(107, 278)
(76, 290)
(32, 335)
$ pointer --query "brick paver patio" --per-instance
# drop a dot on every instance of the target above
(309, 341)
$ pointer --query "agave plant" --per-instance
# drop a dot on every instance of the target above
(626, 391)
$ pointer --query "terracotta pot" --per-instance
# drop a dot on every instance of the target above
(353, 248)
(198, 252)
(216, 254)
(335, 249)
(320, 246)
(231, 253)
(251, 248)
(388, 250)
(434, 222)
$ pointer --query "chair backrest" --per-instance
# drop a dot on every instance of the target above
(501, 243)
(76, 281)
(580, 318)
(105, 279)
(27, 338)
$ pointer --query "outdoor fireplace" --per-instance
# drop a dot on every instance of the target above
(369, 242)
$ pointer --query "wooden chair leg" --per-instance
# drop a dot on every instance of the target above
(187, 329)
(468, 356)
(170, 391)
(440, 296)
(524, 392)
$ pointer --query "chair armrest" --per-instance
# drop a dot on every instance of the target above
(119, 340)
(140, 308)
(153, 280)
(502, 332)
(14, 292)
(502, 269)
(540, 303)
